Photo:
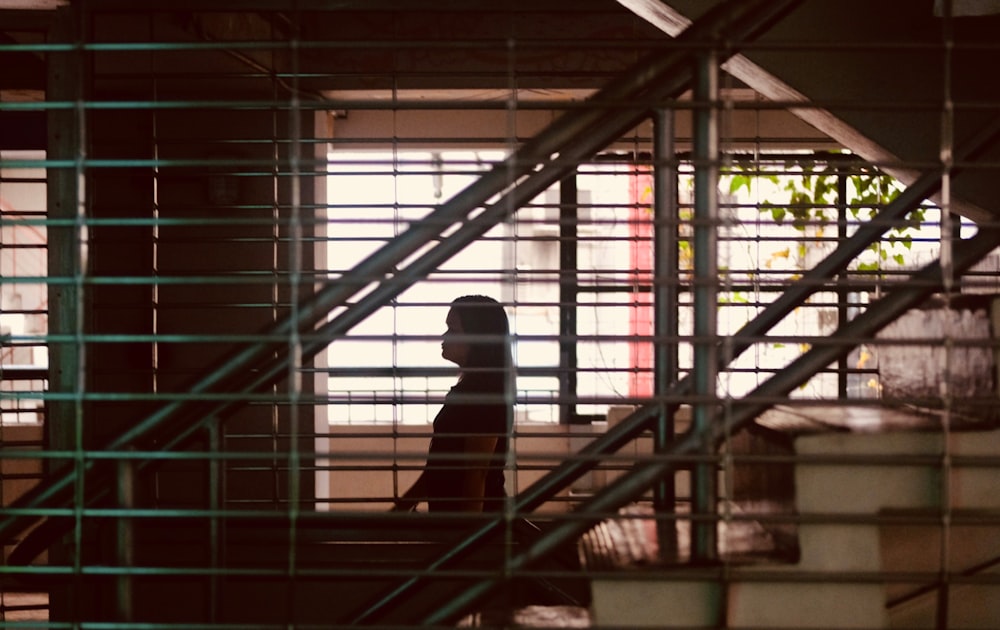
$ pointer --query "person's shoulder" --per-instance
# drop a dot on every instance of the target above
(481, 382)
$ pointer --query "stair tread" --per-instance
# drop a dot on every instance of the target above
(863, 418)
(630, 541)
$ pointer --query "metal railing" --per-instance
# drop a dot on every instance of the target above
(94, 485)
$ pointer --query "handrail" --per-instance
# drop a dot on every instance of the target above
(927, 589)
(572, 138)
(228, 373)
(23, 373)
(645, 474)
(641, 420)
(611, 441)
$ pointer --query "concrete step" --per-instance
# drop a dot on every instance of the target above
(882, 516)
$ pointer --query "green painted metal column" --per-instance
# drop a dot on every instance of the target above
(704, 538)
(66, 271)
(666, 300)
(568, 217)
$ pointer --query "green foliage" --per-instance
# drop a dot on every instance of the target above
(805, 195)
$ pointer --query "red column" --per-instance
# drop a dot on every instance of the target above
(641, 259)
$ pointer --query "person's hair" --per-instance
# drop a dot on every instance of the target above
(485, 321)
(489, 362)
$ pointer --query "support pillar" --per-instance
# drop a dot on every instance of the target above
(666, 303)
(704, 537)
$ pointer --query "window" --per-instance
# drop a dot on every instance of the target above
(24, 289)
(389, 370)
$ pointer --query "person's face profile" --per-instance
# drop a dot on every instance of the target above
(453, 348)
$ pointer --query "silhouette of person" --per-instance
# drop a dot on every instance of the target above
(464, 471)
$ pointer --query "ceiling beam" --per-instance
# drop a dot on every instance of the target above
(672, 22)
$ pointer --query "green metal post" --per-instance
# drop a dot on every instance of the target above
(65, 200)
(704, 541)
(568, 217)
(666, 303)
(125, 550)
(843, 293)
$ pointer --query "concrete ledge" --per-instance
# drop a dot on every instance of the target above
(806, 605)
(637, 603)
(860, 485)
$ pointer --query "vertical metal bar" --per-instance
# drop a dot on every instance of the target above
(843, 292)
(65, 192)
(568, 217)
(704, 543)
(574, 136)
(921, 284)
(665, 314)
(216, 534)
(125, 544)
(295, 263)
(950, 225)
(912, 291)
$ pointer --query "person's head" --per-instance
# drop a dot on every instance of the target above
(478, 334)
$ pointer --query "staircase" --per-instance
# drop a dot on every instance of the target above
(253, 571)
(883, 518)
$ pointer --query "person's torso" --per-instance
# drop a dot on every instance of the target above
(467, 411)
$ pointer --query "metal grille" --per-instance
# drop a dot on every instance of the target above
(746, 251)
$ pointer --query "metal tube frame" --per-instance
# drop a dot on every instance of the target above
(572, 138)
(704, 491)
(842, 291)
(569, 204)
(640, 420)
(66, 193)
(907, 297)
(645, 474)
(666, 303)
